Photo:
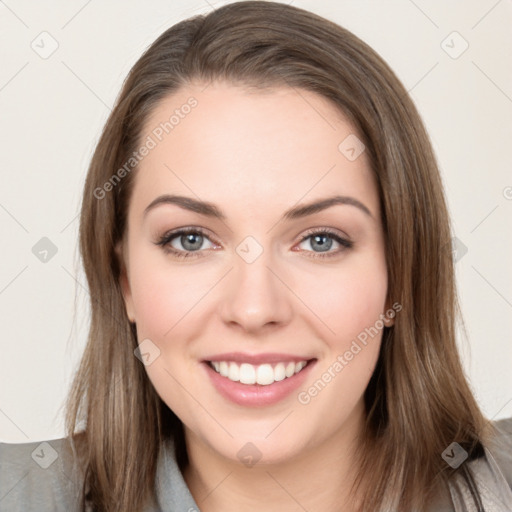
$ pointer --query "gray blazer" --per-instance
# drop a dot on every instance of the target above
(40, 477)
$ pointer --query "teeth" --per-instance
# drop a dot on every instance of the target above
(263, 374)
(279, 372)
(224, 369)
(234, 372)
(247, 374)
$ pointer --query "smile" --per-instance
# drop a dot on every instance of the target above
(263, 374)
(264, 381)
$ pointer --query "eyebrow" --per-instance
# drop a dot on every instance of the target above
(211, 210)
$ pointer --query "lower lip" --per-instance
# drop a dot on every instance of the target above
(256, 395)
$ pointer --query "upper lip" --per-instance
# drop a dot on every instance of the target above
(240, 357)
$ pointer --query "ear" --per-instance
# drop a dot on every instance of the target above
(124, 281)
(388, 321)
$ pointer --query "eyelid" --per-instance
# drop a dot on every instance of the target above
(324, 230)
(343, 240)
(166, 237)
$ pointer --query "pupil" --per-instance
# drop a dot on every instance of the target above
(324, 242)
(188, 241)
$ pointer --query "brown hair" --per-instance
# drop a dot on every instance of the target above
(418, 400)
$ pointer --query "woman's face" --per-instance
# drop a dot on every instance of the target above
(258, 291)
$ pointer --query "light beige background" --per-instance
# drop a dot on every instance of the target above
(52, 110)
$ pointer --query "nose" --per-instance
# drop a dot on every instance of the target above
(255, 298)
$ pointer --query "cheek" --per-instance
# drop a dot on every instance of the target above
(163, 295)
(165, 300)
(349, 302)
(348, 299)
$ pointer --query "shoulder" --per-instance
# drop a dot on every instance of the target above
(501, 448)
(492, 474)
(38, 476)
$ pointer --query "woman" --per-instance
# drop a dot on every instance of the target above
(268, 253)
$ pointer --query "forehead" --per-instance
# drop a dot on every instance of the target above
(223, 143)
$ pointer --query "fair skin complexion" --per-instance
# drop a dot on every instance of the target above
(256, 155)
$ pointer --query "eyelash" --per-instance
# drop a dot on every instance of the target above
(165, 240)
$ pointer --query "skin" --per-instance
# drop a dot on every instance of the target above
(255, 155)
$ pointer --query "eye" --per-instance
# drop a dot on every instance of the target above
(183, 243)
(322, 240)
(189, 242)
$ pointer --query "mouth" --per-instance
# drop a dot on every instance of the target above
(257, 381)
(263, 374)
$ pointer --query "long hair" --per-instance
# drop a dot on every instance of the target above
(418, 400)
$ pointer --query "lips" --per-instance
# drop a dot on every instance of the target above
(256, 359)
(257, 379)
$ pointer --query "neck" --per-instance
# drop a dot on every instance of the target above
(318, 478)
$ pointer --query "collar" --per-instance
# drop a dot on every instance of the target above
(173, 494)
